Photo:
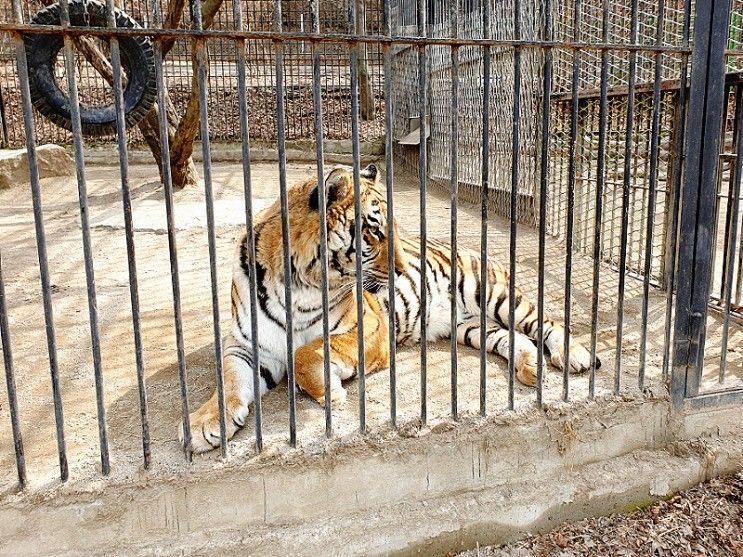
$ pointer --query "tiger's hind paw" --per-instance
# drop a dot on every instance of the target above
(580, 358)
(526, 365)
(337, 396)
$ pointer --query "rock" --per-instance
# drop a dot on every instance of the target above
(52, 160)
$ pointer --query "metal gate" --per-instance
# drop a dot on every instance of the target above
(698, 228)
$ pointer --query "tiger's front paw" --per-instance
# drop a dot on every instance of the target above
(205, 433)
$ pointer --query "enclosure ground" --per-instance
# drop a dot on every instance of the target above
(704, 520)
(61, 212)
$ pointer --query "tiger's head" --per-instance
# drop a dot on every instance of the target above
(341, 218)
(304, 226)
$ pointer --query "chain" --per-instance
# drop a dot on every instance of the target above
(86, 13)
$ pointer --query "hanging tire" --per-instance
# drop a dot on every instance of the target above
(137, 60)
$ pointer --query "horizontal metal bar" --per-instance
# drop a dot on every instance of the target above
(716, 399)
(280, 36)
(646, 87)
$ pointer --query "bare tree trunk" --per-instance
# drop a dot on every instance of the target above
(366, 91)
(181, 133)
(181, 148)
(181, 144)
(183, 171)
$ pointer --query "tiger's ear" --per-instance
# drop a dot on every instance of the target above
(338, 185)
(370, 172)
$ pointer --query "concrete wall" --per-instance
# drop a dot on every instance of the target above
(411, 492)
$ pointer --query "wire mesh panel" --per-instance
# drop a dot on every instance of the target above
(639, 161)
(470, 78)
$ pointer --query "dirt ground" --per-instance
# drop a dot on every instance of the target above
(705, 520)
(61, 212)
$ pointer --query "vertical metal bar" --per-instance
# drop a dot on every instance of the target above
(28, 123)
(484, 194)
(167, 178)
(626, 189)
(454, 205)
(719, 176)
(118, 90)
(600, 179)
(739, 276)
(201, 62)
(358, 216)
(544, 184)
(729, 217)
(317, 99)
(697, 213)
(389, 176)
(284, 200)
(575, 102)
(652, 186)
(250, 235)
(515, 147)
(77, 136)
(718, 197)
(732, 238)
(423, 176)
(15, 425)
(680, 131)
(3, 122)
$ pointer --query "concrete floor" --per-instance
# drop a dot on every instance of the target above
(61, 211)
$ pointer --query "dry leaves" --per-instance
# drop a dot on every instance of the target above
(704, 521)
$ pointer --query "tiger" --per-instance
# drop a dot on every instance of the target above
(306, 289)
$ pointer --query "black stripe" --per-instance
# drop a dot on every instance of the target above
(529, 313)
(352, 247)
(460, 283)
(475, 263)
(268, 378)
(241, 354)
(502, 297)
(497, 346)
(466, 339)
(260, 277)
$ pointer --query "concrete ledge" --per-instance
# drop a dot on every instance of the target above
(426, 492)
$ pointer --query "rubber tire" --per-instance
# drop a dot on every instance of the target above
(137, 59)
